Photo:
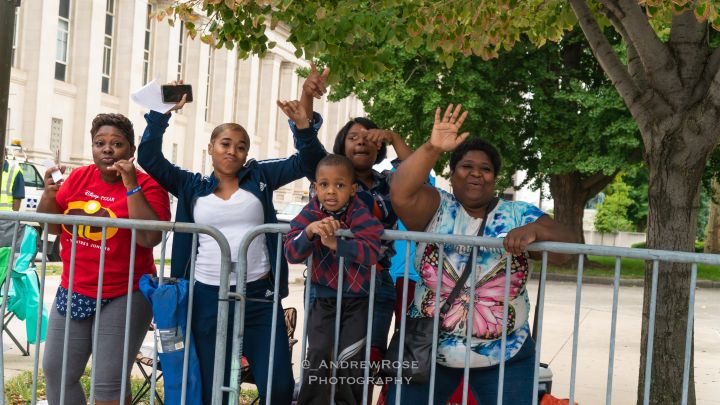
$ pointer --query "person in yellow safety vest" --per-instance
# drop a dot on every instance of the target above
(12, 187)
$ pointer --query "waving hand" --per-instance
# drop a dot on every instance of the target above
(445, 130)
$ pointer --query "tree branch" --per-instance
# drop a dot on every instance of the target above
(635, 66)
(655, 56)
(613, 67)
(712, 67)
(595, 183)
(688, 43)
(711, 111)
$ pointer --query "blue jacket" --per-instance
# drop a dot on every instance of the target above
(259, 178)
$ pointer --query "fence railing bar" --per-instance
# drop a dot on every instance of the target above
(161, 281)
(576, 327)
(273, 331)
(188, 322)
(689, 334)
(3, 306)
(613, 331)
(338, 314)
(403, 321)
(98, 308)
(503, 339)
(651, 332)
(436, 321)
(556, 247)
(41, 297)
(68, 311)
(237, 337)
(128, 312)
(540, 310)
(470, 284)
(303, 340)
(368, 336)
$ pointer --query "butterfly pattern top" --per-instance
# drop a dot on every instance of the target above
(488, 286)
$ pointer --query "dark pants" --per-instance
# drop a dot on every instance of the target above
(383, 310)
(256, 340)
(316, 386)
(517, 386)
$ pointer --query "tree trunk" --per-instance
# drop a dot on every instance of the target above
(569, 202)
(570, 192)
(712, 235)
(672, 220)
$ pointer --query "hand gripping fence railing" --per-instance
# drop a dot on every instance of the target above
(476, 243)
(77, 221)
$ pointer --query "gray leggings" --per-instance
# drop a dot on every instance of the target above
(109, 352)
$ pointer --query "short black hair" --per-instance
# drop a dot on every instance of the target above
(472, 144)
(336, 160)
(228, 126)
(339, 146)
(119, 121)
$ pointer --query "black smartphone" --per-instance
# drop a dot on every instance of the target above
(173, 93)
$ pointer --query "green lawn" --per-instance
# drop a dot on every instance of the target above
(18, 389)
(602, 266)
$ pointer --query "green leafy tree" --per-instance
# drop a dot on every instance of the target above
(612, 212)
(539, 106)
(669, 82)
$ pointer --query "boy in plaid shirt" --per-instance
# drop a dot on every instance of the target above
(334, 207)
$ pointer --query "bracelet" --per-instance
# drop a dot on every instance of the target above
(133, 191)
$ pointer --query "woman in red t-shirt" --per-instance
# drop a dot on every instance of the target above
(110, 188)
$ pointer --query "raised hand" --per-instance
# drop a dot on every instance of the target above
(445, 131)
(126, 169)
(51, 188)
(379, 136)
(295, 111)
(315, 85)
(180, 104)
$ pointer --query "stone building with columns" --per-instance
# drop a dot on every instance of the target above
(73, 59)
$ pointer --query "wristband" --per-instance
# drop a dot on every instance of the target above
(133, 191)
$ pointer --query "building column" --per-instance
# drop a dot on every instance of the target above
(253, 91)
(85, 71)
(38, 50)
(128, 56)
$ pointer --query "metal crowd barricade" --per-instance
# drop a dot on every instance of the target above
(103, 224)
(656, 256)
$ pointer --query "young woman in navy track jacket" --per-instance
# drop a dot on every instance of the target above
(242, 190)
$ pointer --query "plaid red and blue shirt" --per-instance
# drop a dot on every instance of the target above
(359, 253)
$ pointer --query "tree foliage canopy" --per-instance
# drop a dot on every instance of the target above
(358, 38)
(549, 110)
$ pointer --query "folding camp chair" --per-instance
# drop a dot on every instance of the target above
(290, 323)
(144, 361)
(25, 283)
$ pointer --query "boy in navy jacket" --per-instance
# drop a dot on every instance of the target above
(312, 233)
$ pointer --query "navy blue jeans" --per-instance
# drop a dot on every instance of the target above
(383, 311)
(517, 386)
(256, 340)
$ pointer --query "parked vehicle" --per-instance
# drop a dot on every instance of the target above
(33, 173)
(289, 212)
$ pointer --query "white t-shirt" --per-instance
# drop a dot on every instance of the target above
(234, 218)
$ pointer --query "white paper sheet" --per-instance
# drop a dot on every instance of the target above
(150, 96)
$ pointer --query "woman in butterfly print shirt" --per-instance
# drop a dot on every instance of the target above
(474, 165)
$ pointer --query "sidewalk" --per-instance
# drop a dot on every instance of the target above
(556, 342)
